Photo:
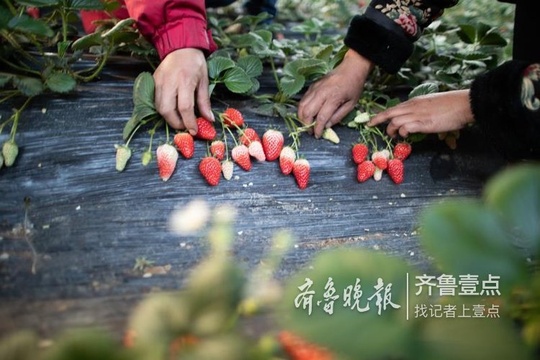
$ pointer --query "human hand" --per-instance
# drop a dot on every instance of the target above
(331, 98)
(181, 81)
(433, 113)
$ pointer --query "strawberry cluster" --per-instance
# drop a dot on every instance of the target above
(247, 146)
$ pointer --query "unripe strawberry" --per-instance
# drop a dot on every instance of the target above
(166, 156)
(185, 144)
(10, 150)
(205, 129)
(233, 118)
(256, 150)
(240, 155)
(272, 142)
(146, 157)
(217, 149)
(301, 172)
(396, 170)
(330, 135)
(360, 152)
(380, 159)
(377, 176)
(287, 157)
(365, 171)
(210, 168)
(227, 168)
(123, 154)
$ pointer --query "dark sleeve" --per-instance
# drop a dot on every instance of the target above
(506, 106)
(387, 30)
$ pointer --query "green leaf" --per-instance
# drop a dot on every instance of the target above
(515, 194)
(5, 17)
(251, 64)
(28, 86)
(306, 67)
(85, 4)
(39, 3)
(118, 28)
(60, 82)
(369, 331)
(265, 35)
(218, 64)
(292, 85)
(87, 41)
(29, 25)
(493, 39)
(237, 80)
(85, 344)
(140, 113)
(424, 89)
(325, 53)
(467, 33)
(143, 90)
(5, 78)
(466, 238)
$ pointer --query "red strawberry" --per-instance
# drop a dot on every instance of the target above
(205, 129)
(272, 142)
(396, 170)
(217, 149)
(240, 155)
(166, 156)
(301, 170)
(286, 160)
(402, 150)
(380, 159)
(365, 170)
(185, 144)
(256, 150)
(227, 168)
(233, 118)
(248, 135)
(359, 152)
(300, 349)
(210, 168)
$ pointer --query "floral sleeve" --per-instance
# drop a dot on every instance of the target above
(385, 33)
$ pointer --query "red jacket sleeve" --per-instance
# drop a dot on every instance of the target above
(172, 24)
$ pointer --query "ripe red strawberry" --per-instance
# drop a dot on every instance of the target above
(301, 170)
(272, 142)
(248, 135)
(210, 168)
(240, 155)
(205, 129)
(402, 150)
(359, 152)
(217, 149)
(380, 159)
(299, 349)
(166, 156)
(256, 150)
(227, 168)
(396, 170)
(185, 144)
(286, 160)
(123, 154)
(365, 170)
(233, 118)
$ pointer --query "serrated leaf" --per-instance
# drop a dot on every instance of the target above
(424, 89)
(251, 64)
(39, 3)
(325, 53)
(217, 65)
(237, 81)
(140, 113)
(265, 35)
(29, 25)
(87, 41)
(28, 86)
(60, 82)
(467, 33)
(306, 67)
(143, 90)
(515, 194)
(493, 39)
(292, 85)
(85, 4)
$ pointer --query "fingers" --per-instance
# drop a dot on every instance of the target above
(186, 108)
(203, 101)
(165, 99)
(309, 106)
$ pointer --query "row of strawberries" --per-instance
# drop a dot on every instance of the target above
(380, 161)
(248, 145)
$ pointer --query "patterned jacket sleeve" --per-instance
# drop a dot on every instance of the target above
(506, 106)
(387, 30)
